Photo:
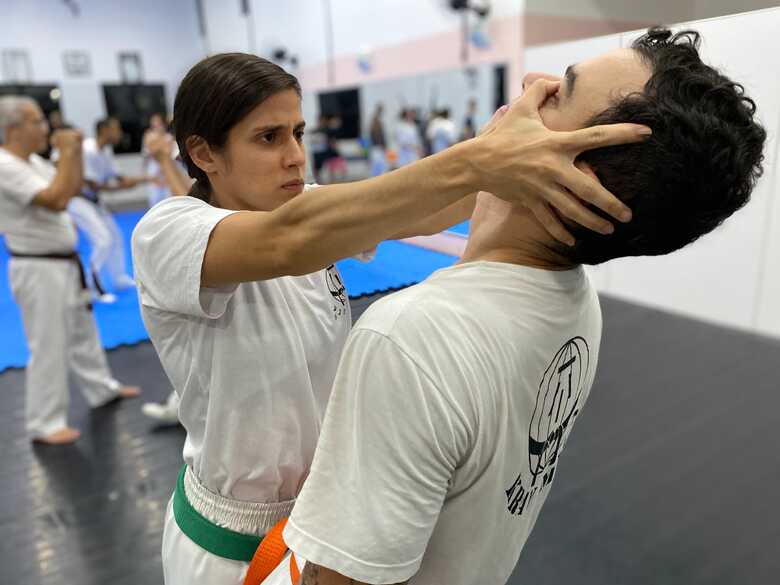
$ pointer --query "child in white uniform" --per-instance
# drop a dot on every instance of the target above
(244, 306)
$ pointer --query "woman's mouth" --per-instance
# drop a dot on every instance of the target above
(296, 185)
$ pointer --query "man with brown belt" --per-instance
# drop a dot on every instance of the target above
(45, 274)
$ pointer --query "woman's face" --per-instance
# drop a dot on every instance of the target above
(262, 163)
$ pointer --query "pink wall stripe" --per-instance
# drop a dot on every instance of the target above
(543, 29)
(442, 51)
(436, 52)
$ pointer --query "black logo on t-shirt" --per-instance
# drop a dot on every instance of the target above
(557, 406)
(335, 285)
(337, 291)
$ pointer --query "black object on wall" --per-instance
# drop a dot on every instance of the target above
(133, 105)
(47, 96)
(346, 104)
(499, 86)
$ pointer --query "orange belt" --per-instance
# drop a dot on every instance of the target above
(270, 555)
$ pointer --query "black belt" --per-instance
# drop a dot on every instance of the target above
(67, 256)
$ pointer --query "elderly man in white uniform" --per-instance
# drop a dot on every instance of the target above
(101, 174)
(45, 274)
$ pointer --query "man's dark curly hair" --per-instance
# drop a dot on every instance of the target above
(699, 166)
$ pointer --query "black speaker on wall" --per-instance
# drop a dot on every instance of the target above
(133, 105)
(499, 86)
(345, 104)
(47, 96)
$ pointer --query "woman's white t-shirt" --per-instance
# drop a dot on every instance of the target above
(253, 363)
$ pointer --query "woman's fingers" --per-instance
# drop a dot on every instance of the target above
(607, 135)
(588, 189)
(572, 208)
(551, 223)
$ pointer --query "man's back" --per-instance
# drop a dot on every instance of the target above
(453, 401)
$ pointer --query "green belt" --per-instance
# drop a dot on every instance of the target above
(217, 540)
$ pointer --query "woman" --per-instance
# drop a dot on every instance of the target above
(245, 307)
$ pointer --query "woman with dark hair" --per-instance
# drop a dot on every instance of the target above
(245, 307)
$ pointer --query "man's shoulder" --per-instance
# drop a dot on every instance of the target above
(415, 308)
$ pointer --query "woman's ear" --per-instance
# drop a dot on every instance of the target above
(201, 154)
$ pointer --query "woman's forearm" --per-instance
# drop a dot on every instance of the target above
(336, 221)
(332, 222)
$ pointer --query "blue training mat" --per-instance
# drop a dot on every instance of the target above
(461, 228)
(396, 265)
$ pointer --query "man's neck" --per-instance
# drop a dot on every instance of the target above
(18, 150)
(101, 142)
(502, 232)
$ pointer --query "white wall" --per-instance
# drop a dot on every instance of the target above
(731, 276)
(628, 10)
(439, 89)
(165, 33)
(299, 25)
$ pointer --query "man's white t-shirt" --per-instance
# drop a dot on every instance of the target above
(252, 363)
(30, 228)
(450, 408)
(99, 163)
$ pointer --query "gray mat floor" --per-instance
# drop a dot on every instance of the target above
(671, 476)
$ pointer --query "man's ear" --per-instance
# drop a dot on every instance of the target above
(201, 154)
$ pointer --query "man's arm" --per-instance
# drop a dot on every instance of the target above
(315, 575)
(67, 182)
(391, 440)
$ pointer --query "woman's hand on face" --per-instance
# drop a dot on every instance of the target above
(522, 161)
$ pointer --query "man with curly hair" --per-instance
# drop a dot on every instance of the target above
(454, 398)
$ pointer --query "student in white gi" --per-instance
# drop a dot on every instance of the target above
(245, 307)
(441, 131)
(44, 271)
(101, 175)
(407, 138)
(454, 398)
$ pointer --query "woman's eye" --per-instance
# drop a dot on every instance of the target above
(268, 137)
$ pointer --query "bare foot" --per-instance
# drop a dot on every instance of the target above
(62, 437)
(129, 392)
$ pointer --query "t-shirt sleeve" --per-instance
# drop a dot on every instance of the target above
(91, 168)
(19, 182)
(169, 244)
(390, 442)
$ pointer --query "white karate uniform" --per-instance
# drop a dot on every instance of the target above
(108, 250)
(61, 332)
(253, 365)
(441, 133)
(407, 138)
(451, 407)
